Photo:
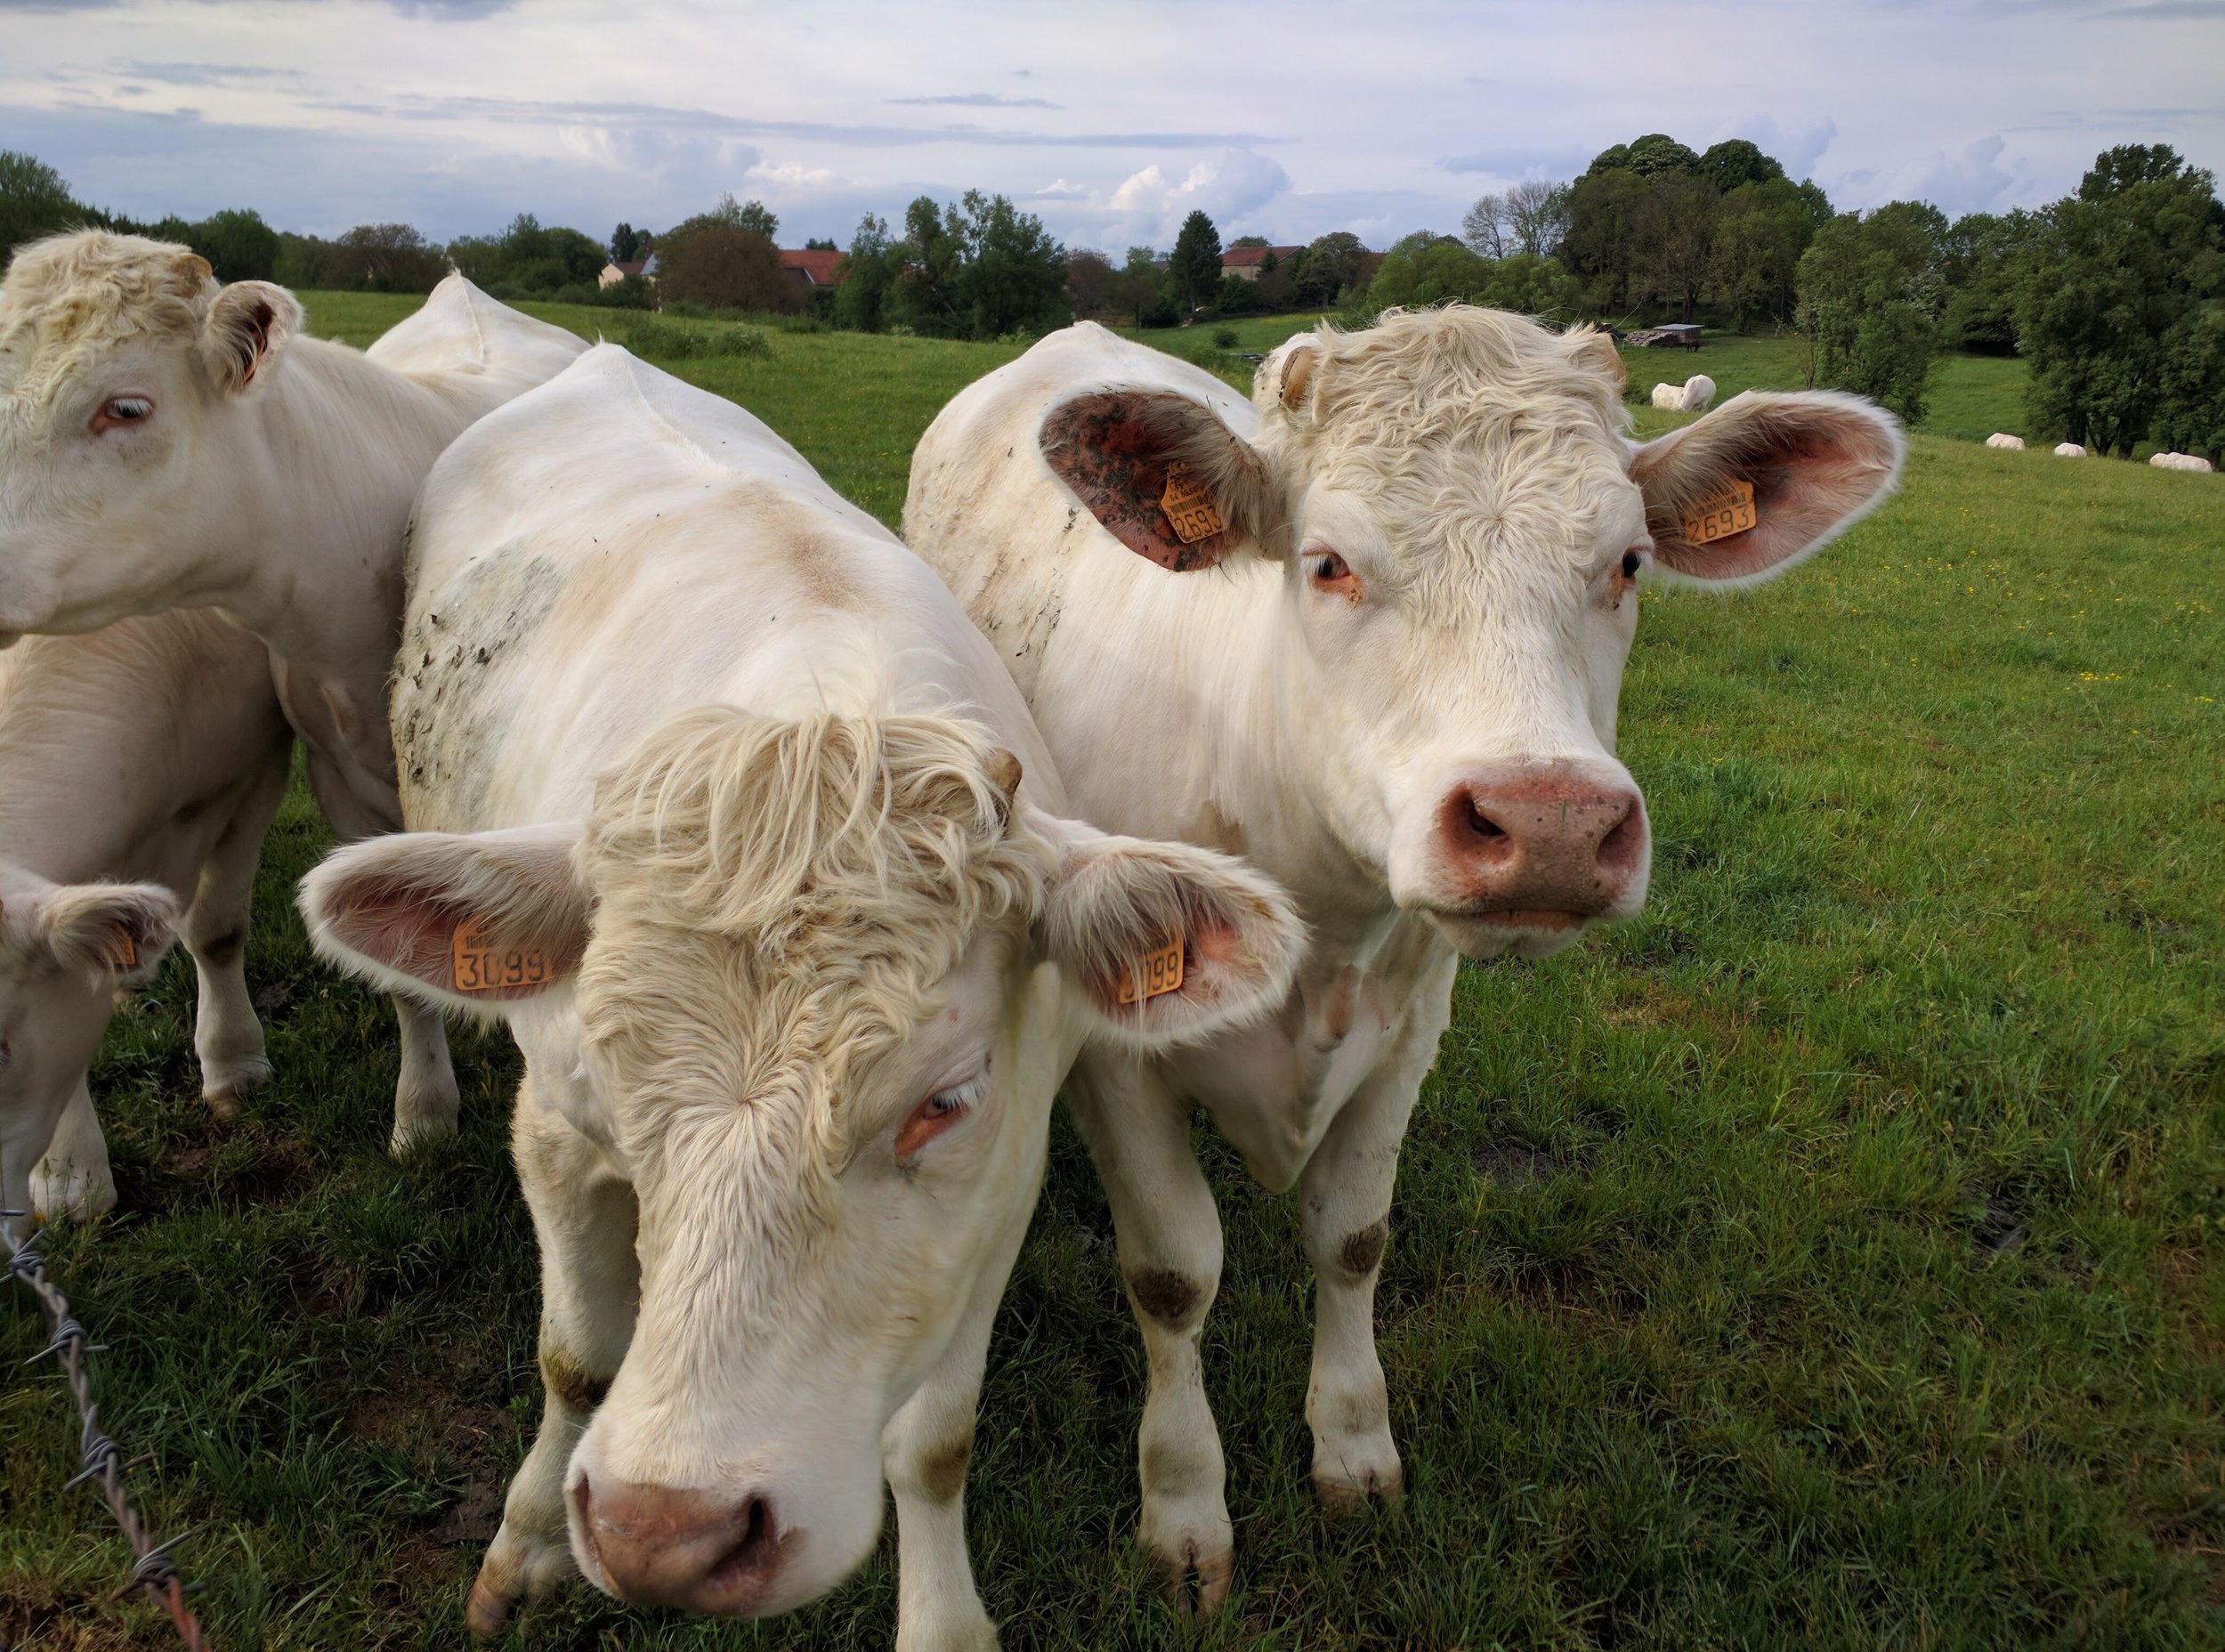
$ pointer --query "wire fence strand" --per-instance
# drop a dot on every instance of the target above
(102, 1462)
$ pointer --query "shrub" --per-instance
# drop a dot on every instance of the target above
(1225, 337)
(651, 337)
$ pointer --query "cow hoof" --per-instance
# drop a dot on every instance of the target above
(1343, 1494)
(487, 1610)
(1197, 1584)
(221, 1104)
(70, 1193)
(222, 1086)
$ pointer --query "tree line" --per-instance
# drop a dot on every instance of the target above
(2114, 296)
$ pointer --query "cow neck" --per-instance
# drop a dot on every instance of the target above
(321, 550)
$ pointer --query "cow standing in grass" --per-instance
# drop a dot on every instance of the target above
(744, 830)
(140, 768)
(167, 443)
(1369, 632)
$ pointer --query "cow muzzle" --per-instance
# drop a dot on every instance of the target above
(1527, 854)
(665, 1545)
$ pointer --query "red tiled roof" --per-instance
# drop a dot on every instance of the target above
(1244, 257)
(816, 268)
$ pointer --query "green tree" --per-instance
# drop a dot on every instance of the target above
(625, 242)
(238, 246)
(1194, 270)
(1736, 162)
(1139, 289)
(1599, 246)
(1673, 225)
(1760, 231)
(1425, 269)
(2117, 272)
(1869, 295)
(1089, 278)
(1989, 260)
(1529, 285)
(1657, 152)
(927, 298)
(382, 258)
(1328, 268)
(1012, 273)
(2190, 407)
(866, 275)
(724, 268)
(34, 201)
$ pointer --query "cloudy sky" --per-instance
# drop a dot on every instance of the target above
(1111, 120)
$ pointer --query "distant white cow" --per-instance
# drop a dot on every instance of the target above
(2181, 461)
(140, 766)
(1395, 692)
(168, 443)
(1693, 396)
(746, 832)
(2003, 439)
(2069, 451)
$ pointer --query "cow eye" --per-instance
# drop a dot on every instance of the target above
(1632, 562)
(118, 411)
(939, 1113)
(1331, 572)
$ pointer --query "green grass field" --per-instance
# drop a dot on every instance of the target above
(1833, 1257)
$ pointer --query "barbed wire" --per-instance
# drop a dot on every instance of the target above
(103, 1464)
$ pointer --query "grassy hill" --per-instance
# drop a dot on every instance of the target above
(1834, 1255)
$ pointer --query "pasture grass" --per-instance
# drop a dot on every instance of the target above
(1834, 1255)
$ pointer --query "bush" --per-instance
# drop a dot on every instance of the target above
(1225, 337)
(651, 337)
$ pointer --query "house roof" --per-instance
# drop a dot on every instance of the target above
(817, 268)
(1244, 257)
(639, 266)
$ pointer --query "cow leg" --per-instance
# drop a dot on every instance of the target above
(227, 1035)
(72, 1180)
(1344, 1218)
(426, 1101)
(924, 1451)
(584, 1219)
(1170, 1235)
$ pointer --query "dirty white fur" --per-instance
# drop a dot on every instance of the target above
(140, 768)
(270, 477)
(1473, 472)
(675, 715)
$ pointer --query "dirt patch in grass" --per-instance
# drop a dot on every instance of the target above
(34, 1614)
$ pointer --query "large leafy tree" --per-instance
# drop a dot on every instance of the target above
(1737, 161)
(1194, 270)
(2122, 278)
(1869, 299)
(34, 201)
(1012, 278)
(1599, 245)
(1673, 224)
(1760, 231)
(867, 275)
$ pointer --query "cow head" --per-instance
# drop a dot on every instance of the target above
(829, 974)
(127, 378)
(1459, 525)
(65, 952)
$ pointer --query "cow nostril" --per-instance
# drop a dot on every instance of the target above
(1625, 841)
(759, 1542)
(1481, 823)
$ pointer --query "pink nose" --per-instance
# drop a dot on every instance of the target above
(664, 1545)
(1542, 843)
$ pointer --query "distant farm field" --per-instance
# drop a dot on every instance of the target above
(1833, 1257)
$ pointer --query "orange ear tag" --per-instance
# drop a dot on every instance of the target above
(1721, 515)
(1160, 972)
(482, 967)
(123, 952)
(1190, 509)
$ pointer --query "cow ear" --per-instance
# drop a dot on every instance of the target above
(467, 921)
(247, 326)
(112, 934)
(1164, 474)
(1166, 943)
(1815, 463)
(1285, 379)
(1596, 351)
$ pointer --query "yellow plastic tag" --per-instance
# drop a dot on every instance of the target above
(1190, 508)
(123, 952)
(481, 966)
(1159, 972)
(1721, 515)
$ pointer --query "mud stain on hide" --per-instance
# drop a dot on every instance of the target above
(569, 1381)
(943, 1472)
(1165, 1295)
(1362, 1249)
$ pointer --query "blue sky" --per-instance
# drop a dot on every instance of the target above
(1111, 120)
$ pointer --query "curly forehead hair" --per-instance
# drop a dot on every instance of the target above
(825, 873)
(71, 295)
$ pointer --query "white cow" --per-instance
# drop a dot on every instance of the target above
(2069, 451)
(139, 769)
(2181, 461)
(721, 787)
(2003, 439)
(1694, 396)
(167, 442)
(1395, 692)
